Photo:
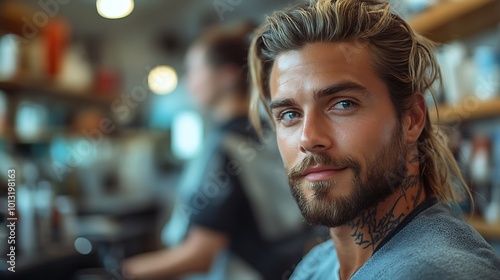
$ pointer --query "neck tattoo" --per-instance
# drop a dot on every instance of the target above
(368, 230)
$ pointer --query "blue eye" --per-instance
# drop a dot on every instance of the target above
(289, 115)
(344, 104)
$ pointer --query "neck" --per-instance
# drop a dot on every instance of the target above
(356, 241)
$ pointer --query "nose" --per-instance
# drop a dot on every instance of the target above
(315, 136)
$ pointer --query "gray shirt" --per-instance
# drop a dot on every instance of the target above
(434, 244)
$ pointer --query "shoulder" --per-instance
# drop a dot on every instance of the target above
(437, 244)
(319, 263)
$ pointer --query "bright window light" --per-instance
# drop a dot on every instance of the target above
(114, 9)
(187, 135)
(162, 79)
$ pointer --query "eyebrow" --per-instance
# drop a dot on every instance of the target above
(334, 89)
(286, 102)
(327, 91)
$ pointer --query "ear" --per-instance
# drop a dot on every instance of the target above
(414, 119)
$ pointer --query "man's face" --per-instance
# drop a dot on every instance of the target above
(337, 130)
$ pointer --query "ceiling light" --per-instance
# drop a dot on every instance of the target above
(162, 79)
(114, 9)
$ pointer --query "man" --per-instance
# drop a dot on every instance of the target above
(344, 82)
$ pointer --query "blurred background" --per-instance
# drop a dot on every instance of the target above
(95, 121)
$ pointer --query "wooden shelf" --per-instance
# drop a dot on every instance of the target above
(489, 231)
(456, 19)
(466, 111)
(34, 90)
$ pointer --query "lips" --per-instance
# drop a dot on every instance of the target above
(321, 173)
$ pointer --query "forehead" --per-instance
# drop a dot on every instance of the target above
(323, 64)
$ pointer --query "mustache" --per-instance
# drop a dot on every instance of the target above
(295, 173)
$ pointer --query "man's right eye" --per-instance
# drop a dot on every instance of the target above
(287, 118)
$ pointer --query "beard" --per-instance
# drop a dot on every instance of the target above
(383, 177)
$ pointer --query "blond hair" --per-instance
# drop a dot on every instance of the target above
(402, 59)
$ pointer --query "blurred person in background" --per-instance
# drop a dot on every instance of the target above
(344, 81)
(235, 217)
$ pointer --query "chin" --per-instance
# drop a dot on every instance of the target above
(331, 212)
(322, 204)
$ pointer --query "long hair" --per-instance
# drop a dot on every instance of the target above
(402, 59)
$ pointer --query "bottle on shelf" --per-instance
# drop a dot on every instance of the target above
(492, 213)
(480, 171)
